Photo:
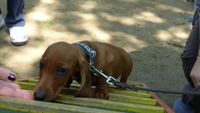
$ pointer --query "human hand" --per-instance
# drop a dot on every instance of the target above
(7, 75)
(195, 72)
(9, 88)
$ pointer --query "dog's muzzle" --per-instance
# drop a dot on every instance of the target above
(40, 95)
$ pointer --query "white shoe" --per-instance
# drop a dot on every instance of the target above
(2, 22)
(18, 35)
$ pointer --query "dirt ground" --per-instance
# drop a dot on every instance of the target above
(153, 31)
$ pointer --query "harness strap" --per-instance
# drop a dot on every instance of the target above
(89, 51)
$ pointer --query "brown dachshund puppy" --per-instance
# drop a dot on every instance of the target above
(62, 62)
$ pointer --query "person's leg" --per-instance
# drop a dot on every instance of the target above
(15, 22)
(14, 15)
(180, 107)
(191, 100)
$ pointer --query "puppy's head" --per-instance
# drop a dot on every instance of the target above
(57, 66)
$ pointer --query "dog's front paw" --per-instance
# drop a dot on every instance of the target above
(101, 94)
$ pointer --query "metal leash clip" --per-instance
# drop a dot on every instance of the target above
(96, 72)
(110, 80)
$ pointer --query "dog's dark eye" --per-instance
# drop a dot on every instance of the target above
(61, 71)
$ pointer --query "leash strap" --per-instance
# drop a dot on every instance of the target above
(112, 81)
(97, 72)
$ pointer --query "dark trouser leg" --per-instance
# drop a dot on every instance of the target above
(190, 102)
(14, 15)
(190, 52)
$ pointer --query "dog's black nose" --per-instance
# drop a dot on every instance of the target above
(39, 95)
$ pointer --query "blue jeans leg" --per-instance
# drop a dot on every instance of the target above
(180, 107)
(14, 15)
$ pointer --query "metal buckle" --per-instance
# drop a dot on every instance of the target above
(109, 80)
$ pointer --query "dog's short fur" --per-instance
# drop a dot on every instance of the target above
(62, 62)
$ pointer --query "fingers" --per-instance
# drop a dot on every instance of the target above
(7, 75)
(9, 84)
(195, 76)
(11, 77)
(9, 88)
(23, 94)
(27, 95)
(6, 90)
(194, 80)
(195, 73)
(13, 90)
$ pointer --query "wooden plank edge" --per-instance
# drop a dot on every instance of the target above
(31, 106)
(160, 102)
(75, 84)
(110, 105)
(114, 97)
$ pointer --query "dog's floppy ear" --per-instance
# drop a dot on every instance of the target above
(85, 88)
